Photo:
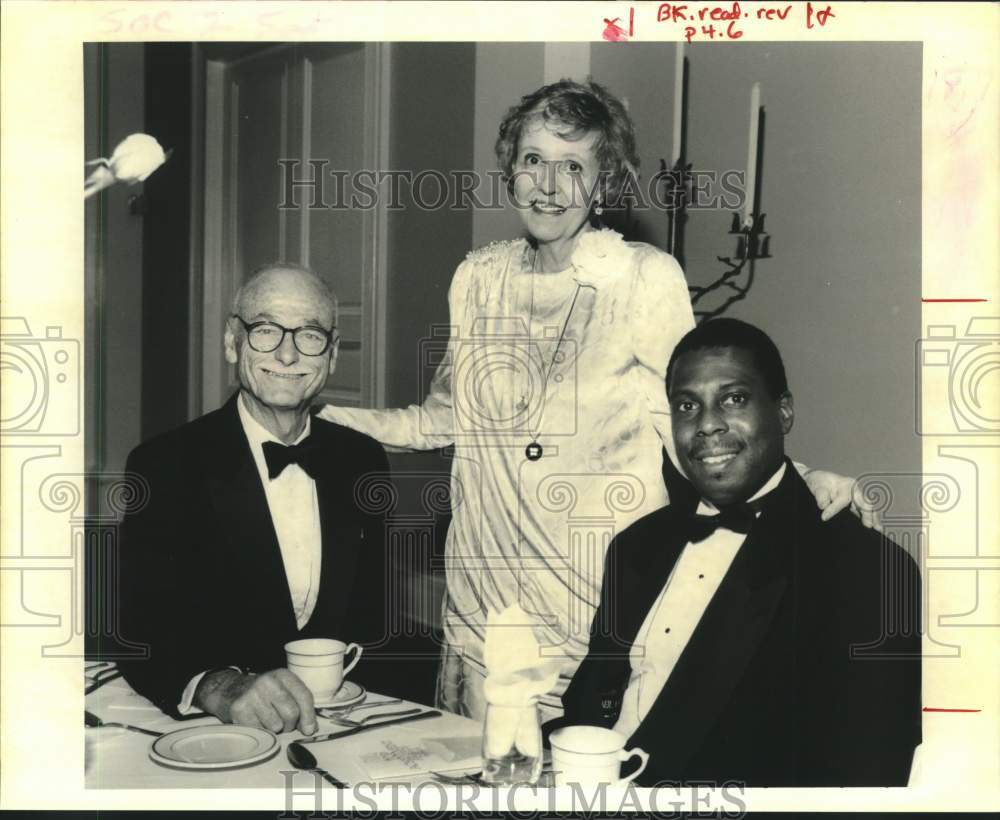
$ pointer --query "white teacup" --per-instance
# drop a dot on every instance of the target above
(591, 755)
(319, 663)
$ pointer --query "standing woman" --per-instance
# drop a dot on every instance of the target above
(552, 390)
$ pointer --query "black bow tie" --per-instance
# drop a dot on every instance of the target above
(278, 456)
(738, 518)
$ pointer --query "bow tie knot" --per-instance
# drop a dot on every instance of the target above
(278, 456)
(738, 518)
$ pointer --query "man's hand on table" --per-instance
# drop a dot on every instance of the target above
(275, 700)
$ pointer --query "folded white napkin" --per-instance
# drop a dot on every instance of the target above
(516, 676)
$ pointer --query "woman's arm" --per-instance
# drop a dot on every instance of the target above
(425, 426)
(834, 492)
(659, 315)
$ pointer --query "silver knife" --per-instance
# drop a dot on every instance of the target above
(367, 726)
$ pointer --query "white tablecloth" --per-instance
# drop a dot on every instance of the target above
(119, 759)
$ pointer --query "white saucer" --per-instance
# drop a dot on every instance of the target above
(214, 747)
(348, 694)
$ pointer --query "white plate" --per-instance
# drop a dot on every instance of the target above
(214, 747)
(348, 694)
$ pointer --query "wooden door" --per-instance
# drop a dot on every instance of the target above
(276, 115)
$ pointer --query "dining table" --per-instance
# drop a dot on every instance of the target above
(119, 758)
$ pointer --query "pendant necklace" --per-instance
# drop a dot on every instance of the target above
(534, 450)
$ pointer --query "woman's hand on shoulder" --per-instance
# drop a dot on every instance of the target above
(834, 492)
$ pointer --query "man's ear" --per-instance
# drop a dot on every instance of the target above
(786, 409)
(334, 350)
(229, 343)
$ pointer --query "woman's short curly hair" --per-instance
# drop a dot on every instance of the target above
(581, 108)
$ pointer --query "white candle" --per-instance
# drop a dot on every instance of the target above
(678, 102)
(752, 155)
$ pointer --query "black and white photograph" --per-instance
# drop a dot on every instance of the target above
(576, 406)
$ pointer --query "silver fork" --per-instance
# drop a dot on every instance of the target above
(345, 711)
(350, 710)
(356, 723)
(458, 779)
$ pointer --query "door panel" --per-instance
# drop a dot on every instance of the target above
(297, 104)
(258, 136)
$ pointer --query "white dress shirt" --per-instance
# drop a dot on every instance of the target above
(676, 613)
(294, 508)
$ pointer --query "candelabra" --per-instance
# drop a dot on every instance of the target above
(752, 242)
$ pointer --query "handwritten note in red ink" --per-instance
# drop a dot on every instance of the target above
(615, 32)
(730, 21)
(727, 21)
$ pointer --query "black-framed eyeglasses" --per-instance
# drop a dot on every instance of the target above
(266, 337)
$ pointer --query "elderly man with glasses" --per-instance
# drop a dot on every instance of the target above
(254, 532)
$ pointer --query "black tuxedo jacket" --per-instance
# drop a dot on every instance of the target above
(803, 671)
(201, 577)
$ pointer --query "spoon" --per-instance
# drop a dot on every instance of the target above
(301, 758)
(94, 722)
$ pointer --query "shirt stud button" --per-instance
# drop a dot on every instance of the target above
(701, 576)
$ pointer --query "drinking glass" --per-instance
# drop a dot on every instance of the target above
(512, 744)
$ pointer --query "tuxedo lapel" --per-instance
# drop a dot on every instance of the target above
(249, 550)
(643, 564)
(729, 635)
(340, 527)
